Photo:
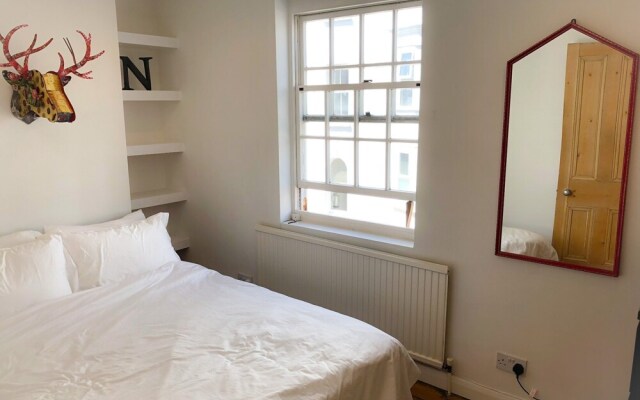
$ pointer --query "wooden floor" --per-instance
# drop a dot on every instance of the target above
(422, 391)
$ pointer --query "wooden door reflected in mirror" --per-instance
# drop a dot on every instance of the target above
(567, 130)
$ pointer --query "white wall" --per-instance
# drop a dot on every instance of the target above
(576, 329)
(65, 173)
(226, 66)
(535, 135)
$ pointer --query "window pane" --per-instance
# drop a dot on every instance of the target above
(312, 128)
(341, 162)
(313, 103)
(372, 164)
(341, 129)
(409, 33)
(345, 75)
(342, 103)
(364, 208)
(316, 77)
(312, 163)
(316, 43)
(318, 201)
(374, 103)
(372, 130)
(377, 74)
(408, 72)
(404, 131)
(407, 102)
(346, 40)
(404, 166)
(378, 37)
(366, 135)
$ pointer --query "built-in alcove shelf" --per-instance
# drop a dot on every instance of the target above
(180, 242)
(151, 95)
(154, 148)
(157, 198)
(141, 169)
(137, 39)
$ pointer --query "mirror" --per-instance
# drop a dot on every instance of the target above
(567, 129)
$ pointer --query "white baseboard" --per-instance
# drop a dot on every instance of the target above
(462, 387)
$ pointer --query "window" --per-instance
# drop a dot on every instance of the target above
(406, 97)
(358, 106)
(405, 71)
(403, 176)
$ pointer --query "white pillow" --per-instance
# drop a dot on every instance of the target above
(30, 273)
(72, 270)
(16, 238)
(127, 219)
(109, 255)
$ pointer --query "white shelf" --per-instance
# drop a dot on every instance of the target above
(137, 39)
(180, 242)
(154, 148)
(157, 198)
(151, 95)
(135, 43)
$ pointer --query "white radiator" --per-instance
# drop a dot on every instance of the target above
(404, 297)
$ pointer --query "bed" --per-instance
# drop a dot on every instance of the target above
(524, 242)
(180, 331)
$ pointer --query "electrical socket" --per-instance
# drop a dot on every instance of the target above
(506, 362)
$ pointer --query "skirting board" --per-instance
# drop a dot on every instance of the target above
(462, 387)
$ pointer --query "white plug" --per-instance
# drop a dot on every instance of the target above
(296, 217)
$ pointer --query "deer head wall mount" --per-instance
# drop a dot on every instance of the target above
(42, 95)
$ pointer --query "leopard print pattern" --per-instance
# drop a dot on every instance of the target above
(30, 99)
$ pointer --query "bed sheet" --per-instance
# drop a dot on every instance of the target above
(187, 332)
(522, 241)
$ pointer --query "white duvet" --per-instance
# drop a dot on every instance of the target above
(186, 332)
(521, 241)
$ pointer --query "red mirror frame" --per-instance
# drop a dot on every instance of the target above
(625, 170)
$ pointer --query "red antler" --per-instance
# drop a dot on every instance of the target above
(62, 72)
(13, 58)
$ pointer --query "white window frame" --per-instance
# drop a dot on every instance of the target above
(391, 87)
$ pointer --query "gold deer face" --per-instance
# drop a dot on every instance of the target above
(42, 95)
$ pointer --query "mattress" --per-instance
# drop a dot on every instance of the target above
(186, 332)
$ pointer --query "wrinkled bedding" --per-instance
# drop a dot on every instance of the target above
(187, 332)
(521, 241)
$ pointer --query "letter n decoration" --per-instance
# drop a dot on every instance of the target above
(42, 95)
(128, 65)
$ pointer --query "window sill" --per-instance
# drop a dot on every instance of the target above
(334, 233)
